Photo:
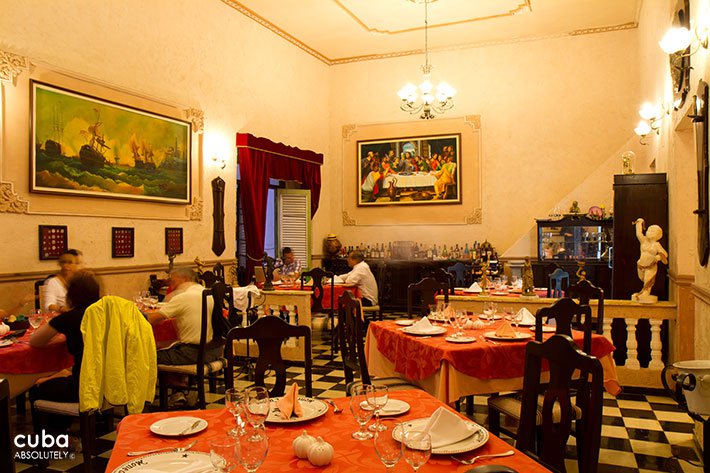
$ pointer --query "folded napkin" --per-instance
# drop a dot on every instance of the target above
(506, 331)
(446, 428)
(449, 313)
(338, 280)
(527, 317)
(289, 403)
(475, 287)
(422, 326)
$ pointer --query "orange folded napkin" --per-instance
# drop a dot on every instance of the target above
(289, 403)
(506, 330)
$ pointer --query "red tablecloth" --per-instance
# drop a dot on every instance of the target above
(339, 290)
(417, 358)
(350, 455)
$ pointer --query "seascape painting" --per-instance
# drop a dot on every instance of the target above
(86, 146)
(411, 170)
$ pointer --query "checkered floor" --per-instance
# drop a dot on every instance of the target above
(640, 433)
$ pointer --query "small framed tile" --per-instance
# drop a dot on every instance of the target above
(52, 241)
(173, 240)
(122, 242)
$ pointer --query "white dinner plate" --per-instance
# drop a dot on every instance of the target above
(477, 439)
(404, 322)
(432, 331)
(169, 462)
(437, 318)
(521, 336)
(460, 339)
(178, 426)
(312, 409)
(545, 329)
(6, 343)
(471, 291)
(490, 317)
(394, 407)
(499, 293)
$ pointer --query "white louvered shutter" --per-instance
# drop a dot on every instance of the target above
(293, 219)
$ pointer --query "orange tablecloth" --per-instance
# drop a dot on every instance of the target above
(339, 290)
(449, 371)
(350, 455)
(493, 292)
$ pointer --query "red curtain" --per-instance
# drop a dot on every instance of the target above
(260, 159)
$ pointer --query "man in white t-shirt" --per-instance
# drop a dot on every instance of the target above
(362, 277)
(186, 310)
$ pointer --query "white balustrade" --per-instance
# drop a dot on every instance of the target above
(632, 361)
(656, 345)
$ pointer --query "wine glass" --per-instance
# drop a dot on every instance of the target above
(361, 410)
(222, 453)
(416, 448)
(517, 318)
(256, 405)
(461, 320)
(386, 447)
(252, 447)
(234, 399)
(36, 319)
(508, 313)
(377, 399)
(489, 310)
(433, 313)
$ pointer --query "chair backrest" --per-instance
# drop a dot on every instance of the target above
(558, 282)
(563, 358)
(426, 289)
(223, 297)
(269, 332)
(350, 336)
(442, 275)
(207, 278)
(7, 463)
(218, 271)
(584, 291)
(38, 287)
(460, 272)
(317, 276)
(567, 315)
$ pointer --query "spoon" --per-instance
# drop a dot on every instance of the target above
(493, 455)
(336, 409)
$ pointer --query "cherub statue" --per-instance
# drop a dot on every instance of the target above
(647, 265)
(574, 209)
(269, 272)
(527, 276)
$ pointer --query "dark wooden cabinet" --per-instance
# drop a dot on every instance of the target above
(638, 196)
(598, 272)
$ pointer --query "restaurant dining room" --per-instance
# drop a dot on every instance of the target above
(338, 235)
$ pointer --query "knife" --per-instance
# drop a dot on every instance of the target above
(192, 427)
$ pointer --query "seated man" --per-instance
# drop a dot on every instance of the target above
(362, 277)
(186, 308)
(288, 264)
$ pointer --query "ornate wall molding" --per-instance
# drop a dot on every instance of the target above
(194, 211)
(197, 118)
(474, 121)
(11, 66)
(475, 217)
(10, 201)
(348, 221)
(348, 130)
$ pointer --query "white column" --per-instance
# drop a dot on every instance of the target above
(607, 328)
(632, 361)
(656, 344)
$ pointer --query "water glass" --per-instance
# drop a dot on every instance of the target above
(256, 405)
(416, 448)
(222, 452)
(489, 310)
(36, 319)
(234, 399)
(361, 410)
(252, 447)
(377, 398)
(387, 448)
(461, 319)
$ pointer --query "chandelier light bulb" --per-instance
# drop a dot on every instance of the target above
(408, 92)
(445, 90)
(676, 40)
(650, 111)
(426, 87)
(643, 128)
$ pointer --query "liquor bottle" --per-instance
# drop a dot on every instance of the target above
(416, 251)
(429, 252)
(444, 253)
(466, 253)
(382, 250)
(435, 251)
(389, 250)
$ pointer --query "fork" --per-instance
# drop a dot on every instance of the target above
(336, 409)
(176, 449)
(493, 455)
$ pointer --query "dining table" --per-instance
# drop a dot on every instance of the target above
(350, 455)
(450, 370)
(337, 290)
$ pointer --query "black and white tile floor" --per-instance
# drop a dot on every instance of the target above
(641, 432)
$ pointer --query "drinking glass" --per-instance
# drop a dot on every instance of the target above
(440, 307)
(377, 399)
(234, 399)
(504, 281)
(361, 410)
(461, 319)
(416, 448)
(222, 453)
(256, 405)
(252, 447)
(386, 447)
(433, 313)
(489, 310)
(36, 319)
(508, 312)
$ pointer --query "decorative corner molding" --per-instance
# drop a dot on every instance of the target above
(348, 130)
(11, 66)
(194, 211)
(474, 121)
(475, 217)
(197, 118)
(605, 29)
(348, 221)
(10, 201)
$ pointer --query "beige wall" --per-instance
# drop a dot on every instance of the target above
(183, 53)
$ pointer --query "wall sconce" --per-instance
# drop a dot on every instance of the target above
(678, 39)
(219, 161)
(651, 119)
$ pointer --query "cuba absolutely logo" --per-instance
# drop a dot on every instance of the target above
(42, 446)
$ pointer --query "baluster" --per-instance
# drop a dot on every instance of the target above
(291, 341)
(606, 327)
(631, 345)
(656, 345)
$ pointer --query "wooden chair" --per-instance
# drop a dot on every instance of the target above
(558, 411)
(201, 370)
(584, 291)
(558, 281)
(7, 462)
(426, 289)
(269, 332)
(443, 276)
(218, 270)
(351, 331)
(318, 276)
(374, 312)
(461, 273)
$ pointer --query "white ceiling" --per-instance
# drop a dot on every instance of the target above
(340, 31)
